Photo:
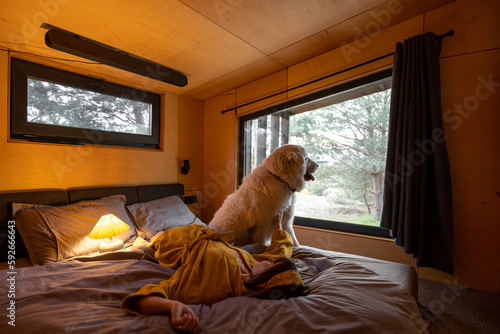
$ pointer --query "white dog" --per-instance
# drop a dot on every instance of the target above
(267, 191)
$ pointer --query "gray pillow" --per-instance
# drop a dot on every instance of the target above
(160, 215)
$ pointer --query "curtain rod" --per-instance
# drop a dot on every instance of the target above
(440, 37)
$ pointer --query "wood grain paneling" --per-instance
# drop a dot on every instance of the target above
(470, 98)
(470, 74)
(265, 25)
(166, 32)
(264, 87)
(234, 46)
(475, 24)
(191, 142)
(196, 207)
(219, 153)
(349, 55)
(217, 43)
(358, 27)
(28, 165)
(383, 249)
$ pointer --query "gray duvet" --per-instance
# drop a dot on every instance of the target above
(84, 295)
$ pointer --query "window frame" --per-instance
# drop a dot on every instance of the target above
(306, 221)
(20, 128)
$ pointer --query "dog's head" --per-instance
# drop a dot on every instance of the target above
(292, 165)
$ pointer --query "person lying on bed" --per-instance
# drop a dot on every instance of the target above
(209, 269)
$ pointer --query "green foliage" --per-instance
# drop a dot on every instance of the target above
(363, 220)
(349, 140)
(56, 104)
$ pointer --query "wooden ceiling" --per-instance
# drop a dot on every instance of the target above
(220, 44)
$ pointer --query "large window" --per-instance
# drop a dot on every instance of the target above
(51, 105)
(344, 129)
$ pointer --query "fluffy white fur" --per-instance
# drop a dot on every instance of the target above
(268, 190)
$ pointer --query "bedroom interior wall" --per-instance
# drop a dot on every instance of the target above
(470, 72)
(191, 148)
(38, 165)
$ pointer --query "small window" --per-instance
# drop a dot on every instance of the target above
(344, 129)
(52, 105)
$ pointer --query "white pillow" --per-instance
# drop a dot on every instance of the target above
(160, 215)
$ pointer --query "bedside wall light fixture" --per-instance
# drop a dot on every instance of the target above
(107, 227)
(66, 41)
(185, 168)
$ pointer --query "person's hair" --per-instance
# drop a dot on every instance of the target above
(255, 282)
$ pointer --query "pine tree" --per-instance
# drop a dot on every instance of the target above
(350, 141)
(61, 105)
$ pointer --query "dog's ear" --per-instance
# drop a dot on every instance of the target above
(295, 157)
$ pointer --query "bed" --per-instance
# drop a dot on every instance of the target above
(75, 289)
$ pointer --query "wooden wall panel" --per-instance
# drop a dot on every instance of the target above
(196, 207)
(191, 142)
(27, 165)
(354, 28)
(251, 71)
(475, 24)
(217, 43)
(266, 86)
(471, 96)
(261, 23)
(219, 153)
(372, 46)
(383, 249)
(470, 79)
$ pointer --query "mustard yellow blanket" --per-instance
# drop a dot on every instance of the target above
(207, 270)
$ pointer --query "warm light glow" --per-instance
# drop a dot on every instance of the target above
(107, 227)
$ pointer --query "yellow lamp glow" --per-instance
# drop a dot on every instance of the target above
(107, 227)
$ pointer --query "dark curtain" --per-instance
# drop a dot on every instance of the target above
(417, 189)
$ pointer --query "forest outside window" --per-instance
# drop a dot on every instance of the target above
(52, 105)
(345, 130)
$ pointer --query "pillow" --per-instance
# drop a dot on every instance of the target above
(16, 207)
(160, 215)
(56, 233)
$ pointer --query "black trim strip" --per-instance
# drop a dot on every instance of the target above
(373, 231)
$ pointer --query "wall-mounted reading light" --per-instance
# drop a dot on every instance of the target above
(185, 169)
(80, 46)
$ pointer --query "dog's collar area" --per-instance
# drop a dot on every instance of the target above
(279, 178)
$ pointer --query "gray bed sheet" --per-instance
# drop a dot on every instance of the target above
(83, 296)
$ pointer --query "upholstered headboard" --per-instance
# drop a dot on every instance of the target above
(134, 194)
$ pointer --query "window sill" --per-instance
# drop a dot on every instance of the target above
(347, 228)
(76, 143)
